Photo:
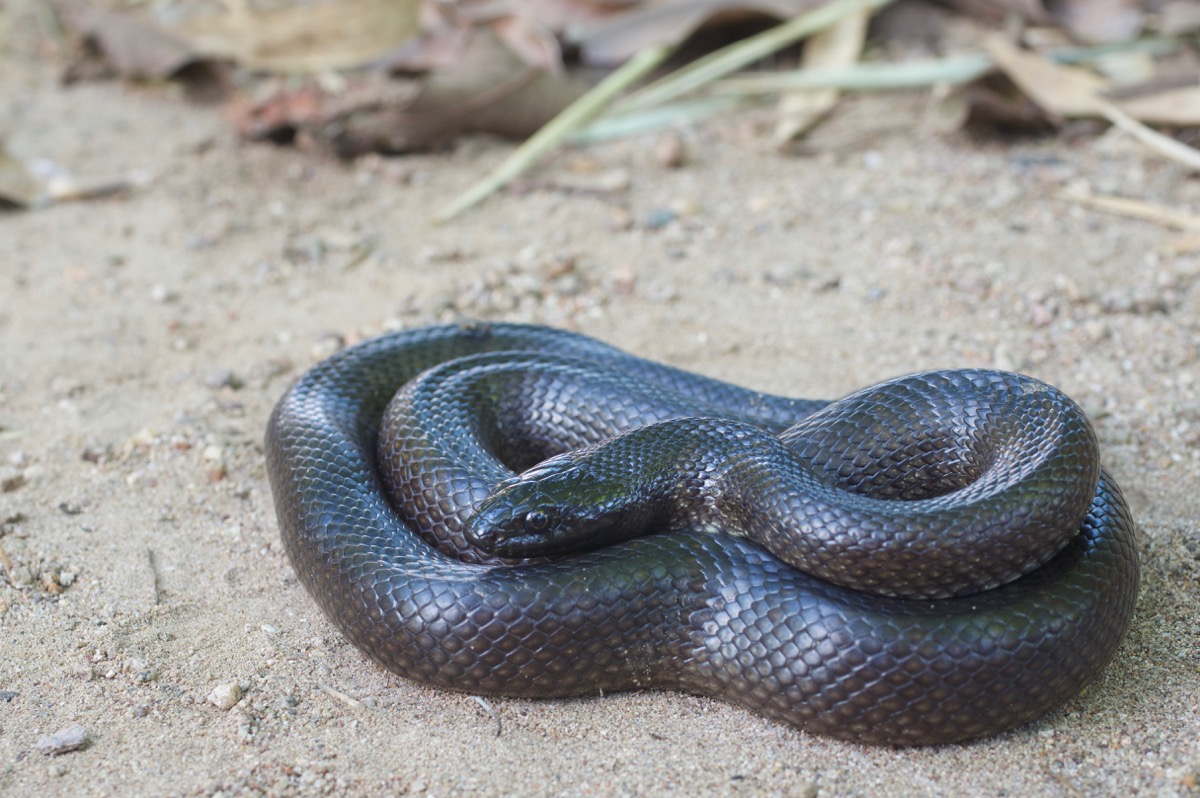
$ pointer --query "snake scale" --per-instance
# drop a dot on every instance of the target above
(922, 624)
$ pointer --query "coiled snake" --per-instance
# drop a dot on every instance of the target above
(943, 626)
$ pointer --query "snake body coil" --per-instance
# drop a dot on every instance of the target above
(691, 607)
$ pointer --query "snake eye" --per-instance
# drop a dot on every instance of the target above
(536, 521)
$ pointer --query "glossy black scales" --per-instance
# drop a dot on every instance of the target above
(691, 609)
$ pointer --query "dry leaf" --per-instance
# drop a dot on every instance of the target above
(1067, 92)
(528, 28)
(1098, 21)
(1127, 69)
(18, 188)
(1088, 21)
(121, 43)
(563, 15)
(535, 44)
(442, 38)
(490, 89)
(992, 103)
(281, 114)
(1071, 92)
(656, 22)
(333, 35)
(838, 46)
(997, 12)
(1175, 107)
(1179, 17)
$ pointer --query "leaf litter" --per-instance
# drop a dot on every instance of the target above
(391, 76)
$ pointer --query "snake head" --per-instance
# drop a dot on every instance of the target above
(549, 509)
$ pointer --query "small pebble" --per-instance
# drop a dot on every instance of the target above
(50, 582)
(620, 219)
(92, 455)
(20, 576)
(224, 378)
(658, 218)
(11, 479)
(70, 738)
(670, 151)
(433, 253)
(614, 181)
(161, 294)
(804, 789)
(225, 696)
(82, 671)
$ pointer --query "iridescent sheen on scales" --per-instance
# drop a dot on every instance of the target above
(983, 560)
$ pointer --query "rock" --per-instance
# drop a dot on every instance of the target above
(224, 378)
(65, 740)
(225, 696)
(658, 218)
(670, 151)
(11, 479)
(161, 294)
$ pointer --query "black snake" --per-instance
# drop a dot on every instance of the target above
(901, 491)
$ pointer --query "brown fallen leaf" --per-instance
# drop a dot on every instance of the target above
(309, 38)
(834, 47)
(446, 29)
(284, 113)
(998, 12)
(110, 42)
(1178, 17)
(443, 34)
(992, 103)
(1087, 21)
(490, 89)
(1098, 21)
(1072, 92)
(616, 39)
(1064, 91)
(534, 43)
(1175, 107)
(559, 15)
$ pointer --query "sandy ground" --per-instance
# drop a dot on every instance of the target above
(144, 341)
